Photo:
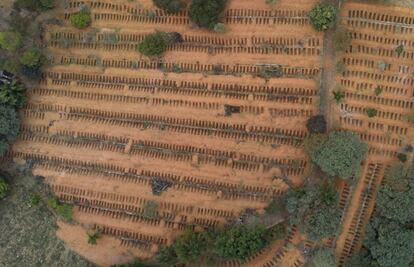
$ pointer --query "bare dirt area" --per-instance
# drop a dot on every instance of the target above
(376, 78)
(28, 233)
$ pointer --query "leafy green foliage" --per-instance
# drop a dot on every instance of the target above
(389, 237)
(271, 2)
(206, 13)
(323, 258)
(65, 211)
(35, 5)
(316, 124)
(378, 90)
(402, 157)
(4, 188)
(323, 16)
(93, 237)
(12, 95)
(399, 49)
(361, 259)
(371, 112)
(189, 246)
(32, 58)
(81, 20)
(171, 6)
(315, 210)
(35, 200)
(153, 45)
(240, 242)
(166, 256)
(338, 96)
(9, 127)
(340, 155)
(10, 41)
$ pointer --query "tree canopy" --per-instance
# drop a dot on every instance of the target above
(340, 154)
(323, 16)
(32, 58)
(206, 13)
(154, 44)
(10, 40)
(323, 257)
(189, 246)
(9, 127)
(171, 6)
(12, 94)
(81, 20)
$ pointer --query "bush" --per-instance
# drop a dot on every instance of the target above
(323, 16)
(220, 28)
(240, 242)
(399, 49)
(206, 13)
(271, 2)
(338, 96)
(171, 6)
(316, 124)
(11, 41)
(166, 256)
(324, 257)
(12, 95)
(153, 45)
(93, 237)
(81, 20)
(402, 157)
(341, 40)
(340, 155)
(188, 247)
(4, 188)
(371, 112)
(65, 211)
(9, 127)
(322, 223)
(378, 90)
(32, 58)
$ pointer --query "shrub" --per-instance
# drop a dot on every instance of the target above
(150, 210)
(322, 223)
(324, 257)
(340, 155)
(271, 2)
(93, 237)
(206, 13)
(323, 16)
(11, 41)
(220, 28)
(371, 112)
(378, 90)
(153, 45)
(402, 157)
(316, 124)
(171, 6)
(35, 5)
(338, 96)
(65, 211)
(188, 247)
(240, 242)
(32, 58)
(9, 127)
(399, 49)
(81, 20)
(12, 95)
(166, 256)
(35, 200)
(4, 188)
(341, 40)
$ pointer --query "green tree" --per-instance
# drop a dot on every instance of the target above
(81, 20)
(9, 127)
(32, 58)
(4, 188)
(11, 41)
(322, 223)
(240, 242)
(371, 112)
(323, 16)
(340, 155)
(171, 6)
(323, 257)
(166, 256)
(189, 246)
(206, 13)
(12, 95)
(153, 45)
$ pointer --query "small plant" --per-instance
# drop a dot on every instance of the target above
(81, 20)
(371, 112)
(338, 96)
(322, 16)
(150, 210)
(220, 28)
(35, 200)
(402, 157)
(93, 237)
(271, 2)
(65, 211)
(378, 90)
(153, 45)
(11, 41)
(12, 94)
(32, 58)
(4, 188)
(399, 49)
